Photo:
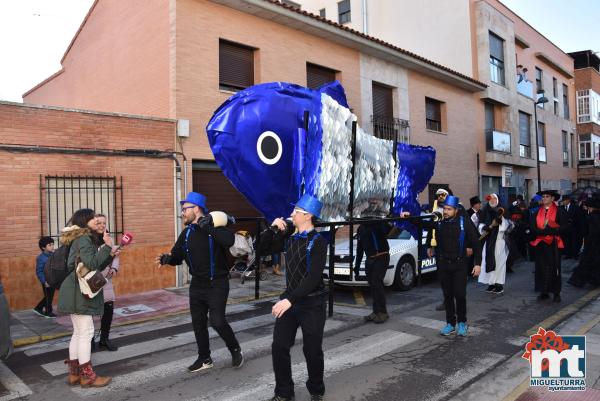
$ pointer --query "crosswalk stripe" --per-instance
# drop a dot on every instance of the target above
(348, 310)
(435, 324)
(146, 347)
(468, 373)
(336, 360)
(249, 348)
(128, 330)
(16, 388)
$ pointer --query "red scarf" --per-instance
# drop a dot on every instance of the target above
(549, 218)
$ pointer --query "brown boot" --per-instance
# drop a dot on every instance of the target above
(88, 378)
(73, 365)
(276, 271)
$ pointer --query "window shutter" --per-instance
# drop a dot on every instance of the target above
(317, 75)
(496, 47)
(432, 110)
(236, 65)
(383, 102)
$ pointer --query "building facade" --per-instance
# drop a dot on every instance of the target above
(211, 49)
(587, 86)
(487, 41)
(54, 161)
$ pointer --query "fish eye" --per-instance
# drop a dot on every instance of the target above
(268, 147)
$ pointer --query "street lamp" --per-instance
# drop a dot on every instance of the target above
(541, 100)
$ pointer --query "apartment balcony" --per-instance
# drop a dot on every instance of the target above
(390, 128)
(497, 141)
(498, 147)
(524, 86)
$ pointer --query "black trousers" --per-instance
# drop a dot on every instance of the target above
(376, 269)
(309, 315)
(46, 302)
(106, 321)
(548, 268)
(209, 299)
(454, 285)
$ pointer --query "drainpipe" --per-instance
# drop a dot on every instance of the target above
(365, 18)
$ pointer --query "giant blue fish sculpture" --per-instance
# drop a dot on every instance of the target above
(259, 141)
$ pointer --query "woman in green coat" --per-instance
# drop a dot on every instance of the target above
(71, 300)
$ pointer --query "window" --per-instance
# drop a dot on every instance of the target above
(433, 114)
(566, 112)
(384, 124)
(565, 148)
(583, 106)
(524, 135)
(555, 88)
(317, 75)
(555, 107)
(322, 13)
(539, 86)
(573, 161)
(62, 196)
(236, 66)
(585, 150)
(496, 59)
(292, 4)
(344, 11)
(490, 120)
(542, 142)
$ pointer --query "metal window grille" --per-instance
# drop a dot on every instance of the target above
(61, 196)
(390, 128)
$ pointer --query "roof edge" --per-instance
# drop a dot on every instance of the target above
(86, 111)
(44, 82)
(78, 31)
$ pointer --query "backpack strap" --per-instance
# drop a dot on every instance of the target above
(461, 239)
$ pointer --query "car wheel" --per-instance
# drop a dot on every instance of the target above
(404, 277)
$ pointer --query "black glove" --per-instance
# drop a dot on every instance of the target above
(165, 259)
(206, 222)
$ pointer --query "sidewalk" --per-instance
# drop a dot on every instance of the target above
(27, 327)
(509, 381)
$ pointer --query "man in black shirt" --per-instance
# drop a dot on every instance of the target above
(204, 247)
(372, 241)
(457, 240)
(302, 303)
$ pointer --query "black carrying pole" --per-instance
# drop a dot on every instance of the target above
(351, 206)
(257, 261)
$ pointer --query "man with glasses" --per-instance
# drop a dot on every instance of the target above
(204, 247)
(302, 303)
(548, 225)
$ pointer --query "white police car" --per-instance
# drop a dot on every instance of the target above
(401, 273)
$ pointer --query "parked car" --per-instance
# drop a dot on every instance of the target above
(401, 274)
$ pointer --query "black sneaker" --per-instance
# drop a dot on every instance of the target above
(106, 344)
(490, 288)
(316, 397)
(498, 289)
(543, 297)
(557, 298)
(371, 317)
(237, 358)
(381, 318)
(50, 315)
(40, 312)
(279, 398)
(201, 365)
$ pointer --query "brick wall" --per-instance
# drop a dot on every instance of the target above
(587, 78)
(147, 190)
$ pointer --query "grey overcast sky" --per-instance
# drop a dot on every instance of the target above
(34, 34)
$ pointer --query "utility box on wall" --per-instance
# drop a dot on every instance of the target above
(183, 128)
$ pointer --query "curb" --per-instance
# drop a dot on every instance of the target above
(21, 342)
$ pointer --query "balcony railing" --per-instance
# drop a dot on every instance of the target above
(497, 141)
(390, 128)
(525, 151)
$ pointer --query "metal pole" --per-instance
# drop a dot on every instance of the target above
(332, 230)
(537, 149)
(257, 261)
(351, 211)
(419, 253)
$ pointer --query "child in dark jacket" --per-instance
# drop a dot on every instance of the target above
(44, 307)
